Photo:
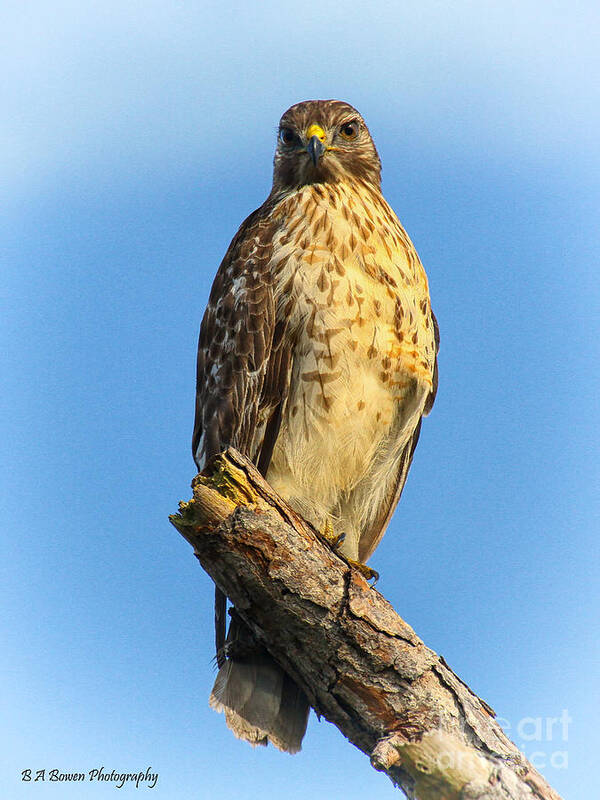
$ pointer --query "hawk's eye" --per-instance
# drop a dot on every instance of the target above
(287, 136)
(349, 130)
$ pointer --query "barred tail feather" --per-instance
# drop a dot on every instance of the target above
(261, 703)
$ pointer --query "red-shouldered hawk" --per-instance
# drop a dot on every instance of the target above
(317, 359)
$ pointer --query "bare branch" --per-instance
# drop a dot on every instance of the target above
(361, 666)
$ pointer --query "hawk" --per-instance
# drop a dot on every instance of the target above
(317, 359)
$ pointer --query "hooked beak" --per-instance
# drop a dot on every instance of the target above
(316, 143)
(315, 148)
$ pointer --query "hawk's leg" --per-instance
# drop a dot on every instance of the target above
(335, 540)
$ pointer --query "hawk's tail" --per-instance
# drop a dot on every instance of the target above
(261, 702)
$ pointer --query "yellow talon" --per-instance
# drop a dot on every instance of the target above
(328, 533)
(334, 540)
(367, 573)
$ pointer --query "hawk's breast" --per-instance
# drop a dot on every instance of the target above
(355, 297)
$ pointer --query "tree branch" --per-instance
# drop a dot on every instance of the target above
(361, 666)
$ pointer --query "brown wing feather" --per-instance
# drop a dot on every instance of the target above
(370, 538)
(243, 368)
(434, 387)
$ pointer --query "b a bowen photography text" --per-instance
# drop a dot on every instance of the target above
(147, 779)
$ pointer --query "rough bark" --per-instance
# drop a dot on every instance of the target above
(362, 667)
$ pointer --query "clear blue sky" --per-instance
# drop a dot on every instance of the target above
(135, 137)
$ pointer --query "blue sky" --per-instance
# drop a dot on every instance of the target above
(135, 138)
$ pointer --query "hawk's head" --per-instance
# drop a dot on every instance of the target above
(323, 141)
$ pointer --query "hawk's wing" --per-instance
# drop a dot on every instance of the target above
(243, 368)
(370, 538)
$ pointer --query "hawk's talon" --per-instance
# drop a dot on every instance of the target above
(367, 572)
(333, 540)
